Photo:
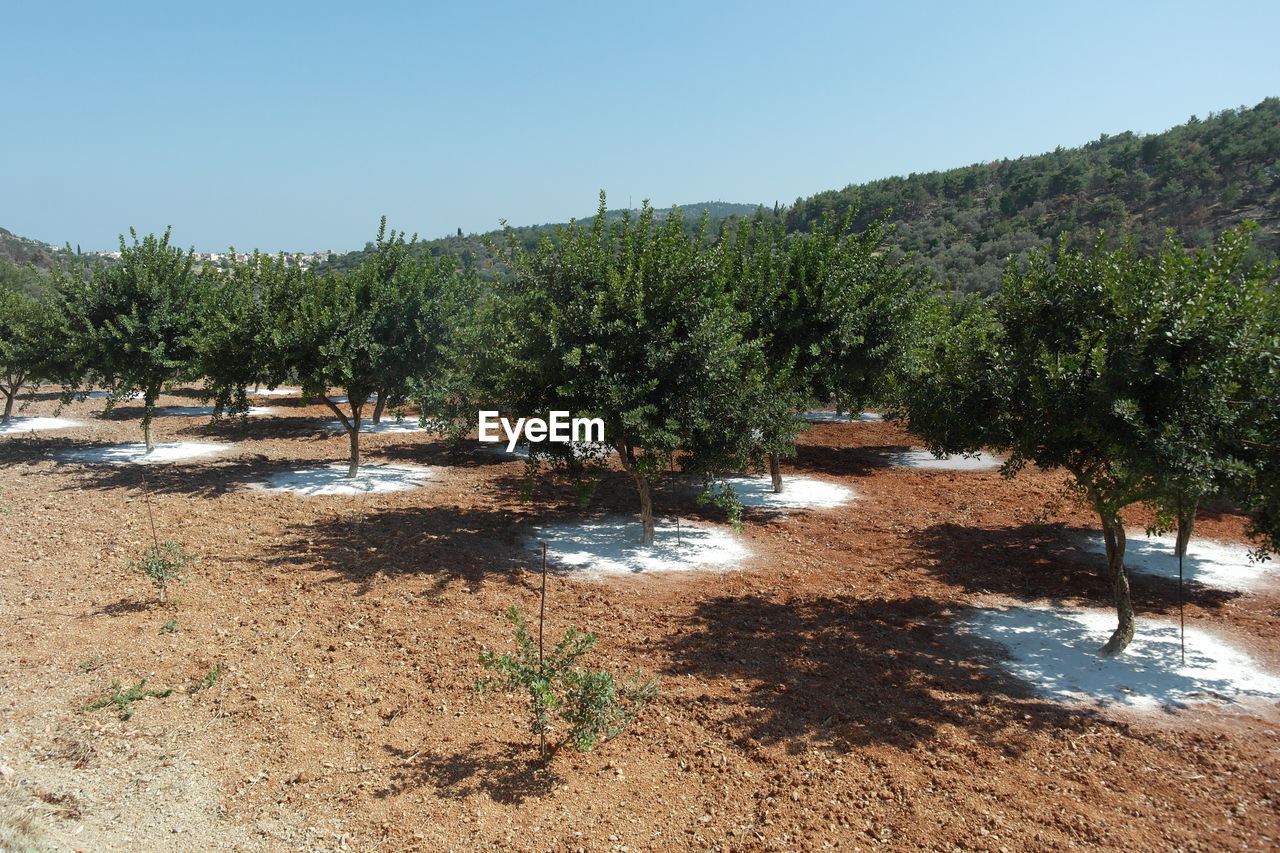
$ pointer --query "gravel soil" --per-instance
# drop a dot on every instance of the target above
(820, 697)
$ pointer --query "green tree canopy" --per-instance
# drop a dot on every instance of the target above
(1124, 369)
(132, 326)
(831, 308)
(634, 322)
(368, 331)
(29, 339)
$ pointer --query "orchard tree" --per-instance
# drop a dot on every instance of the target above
(237, 345)
(831, 307)
(1126, 371)
(1196, 361)
(132, 325)
(29, 338)
(1256, 483)
(634, 322)
(368, 331)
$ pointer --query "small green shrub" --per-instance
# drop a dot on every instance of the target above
(723, 496)
(89, 665)
(170, 627)
(124, 699)
(592, 703)
(164, 564)
(209, 679)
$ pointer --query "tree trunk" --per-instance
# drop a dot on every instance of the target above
(1113, 533)
(775, 472)
(353, 465)
(646, 508)
(1186, 524)
(150, 395)
(377, 408)
(627, 455)
(9, 394)
(352, 426)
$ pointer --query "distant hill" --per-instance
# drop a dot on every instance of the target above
(17, 254)
(1199, 179)
(23, 250)
(963, 224)
(716, 210)
(472, 251)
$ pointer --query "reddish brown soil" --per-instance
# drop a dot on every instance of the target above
(817, 698)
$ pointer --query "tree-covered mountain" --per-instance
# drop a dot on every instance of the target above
(23, 250)
(1199, 179)
(17, 254)
(474, 252)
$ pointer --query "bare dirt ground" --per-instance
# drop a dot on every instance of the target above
(818, 698)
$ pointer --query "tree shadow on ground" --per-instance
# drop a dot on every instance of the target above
(32, 447)
(853, 671)
(1047, 562)
(233, 428)
(508, 772)
(842, 461)
(435, 450)
(127, 606)
(206, 477)
(441, 543)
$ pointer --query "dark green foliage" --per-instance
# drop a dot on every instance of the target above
(1194, 350)
(164, 564)
(133, 326)
(23, 279)
(831, 306)
(634, 322)
(943, 384)
(373, 330)
(31, 333)
(124, 699)
(1257, 484)
(481, 254)
(237, 346)
(593, 704)
(1133, 371)
(1200, 178)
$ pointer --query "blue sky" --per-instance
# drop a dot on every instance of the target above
(280, 125)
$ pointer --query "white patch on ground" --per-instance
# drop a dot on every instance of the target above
(102, 395)
(373, 478)
(1212, 564)
(830, 417)
(274, 392)
(122, 454)
(1056, 651)
(368, 427)
(32, 424)
(797, 492)
(925, 459)
(582, 449)
(207, 411)
(612, 547)
(342, 398)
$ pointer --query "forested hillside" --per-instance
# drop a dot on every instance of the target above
(473, 250)
(1199, 179)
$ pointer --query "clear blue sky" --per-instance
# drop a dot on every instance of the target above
(296, 125)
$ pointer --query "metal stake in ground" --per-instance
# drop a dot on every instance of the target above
(1182, 613)
(146, 494)
(542, 618)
